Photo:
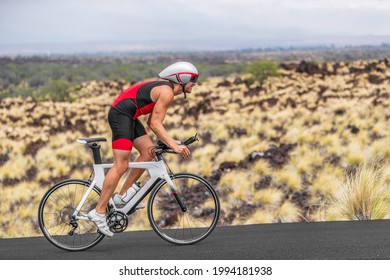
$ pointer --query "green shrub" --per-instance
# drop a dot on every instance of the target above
(56, 90)
(261, 70)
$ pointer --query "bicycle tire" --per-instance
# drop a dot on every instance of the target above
(55, 211)
(189, 227)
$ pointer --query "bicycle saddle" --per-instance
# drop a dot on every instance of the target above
(91, 140)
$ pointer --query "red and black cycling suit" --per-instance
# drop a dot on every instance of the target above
(127, 107)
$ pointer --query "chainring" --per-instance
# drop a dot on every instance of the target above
(117, 221)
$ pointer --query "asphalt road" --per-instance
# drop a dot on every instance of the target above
(296, 241)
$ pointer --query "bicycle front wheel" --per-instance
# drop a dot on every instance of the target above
(56, 216)
(194, 219)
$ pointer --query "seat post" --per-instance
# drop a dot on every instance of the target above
(96, 153)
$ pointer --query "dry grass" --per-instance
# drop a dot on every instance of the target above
(305, 159)
(241, 184)
(290, 177)
(325, 183)
(364, 195)
(289, 213)
(232, 152)
(262, 168)
(261, 216)
(269, 198)
(16, 168)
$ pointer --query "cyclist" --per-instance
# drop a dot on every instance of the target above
(151, 98)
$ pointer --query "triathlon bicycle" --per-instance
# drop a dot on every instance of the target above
(183, 208)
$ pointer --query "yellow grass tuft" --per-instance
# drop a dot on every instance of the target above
(72, 154)
(331, 140)
(240, 182)
(289, 176)
(381, 148)
(81, 173)
(181, 135)
(293, 134)
(261, 216)
(363, 196)
(45, 158)
(203, 166)
(252, 143)
(318, 215)
(289, 213)
(356, 155)
(11, 147)
(202, 160)
(261, 167)
(61, 168)
(305, 159)
(44, 175)
(207, 151)
(232, 152)
(325, 181)
(269, 197)
(16, 167)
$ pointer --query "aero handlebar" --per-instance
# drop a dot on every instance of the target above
(163, 148)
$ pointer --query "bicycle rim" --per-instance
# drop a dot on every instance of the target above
(184, 227)
(55, 216)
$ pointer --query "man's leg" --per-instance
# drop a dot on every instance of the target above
(142, 144)
(121, 163)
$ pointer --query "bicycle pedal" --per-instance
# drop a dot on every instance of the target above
(140, 206)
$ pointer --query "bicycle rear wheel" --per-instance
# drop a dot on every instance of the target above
(188, 226)
(56, 220)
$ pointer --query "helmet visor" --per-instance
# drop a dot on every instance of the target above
(194, 78)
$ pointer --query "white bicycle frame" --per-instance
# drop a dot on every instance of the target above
(157, 170)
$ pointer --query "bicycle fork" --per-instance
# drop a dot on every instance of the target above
(173, 188)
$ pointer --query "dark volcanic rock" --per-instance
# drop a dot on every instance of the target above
(277, 156)
(310, 68)
(264, 183)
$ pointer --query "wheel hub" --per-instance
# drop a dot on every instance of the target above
(66, 214)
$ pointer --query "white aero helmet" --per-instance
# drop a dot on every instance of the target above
(180, 72)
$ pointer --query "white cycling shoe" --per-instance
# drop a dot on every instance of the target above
(120, 203)
(100, 221)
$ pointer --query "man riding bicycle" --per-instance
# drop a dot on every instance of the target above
(151, 98)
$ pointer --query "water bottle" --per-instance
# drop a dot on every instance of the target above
(130, 192)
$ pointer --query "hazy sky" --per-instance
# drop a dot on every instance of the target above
(195, 24)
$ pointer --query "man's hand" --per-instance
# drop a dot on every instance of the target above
(183, 150)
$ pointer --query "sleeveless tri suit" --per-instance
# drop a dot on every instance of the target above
(124, 112)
